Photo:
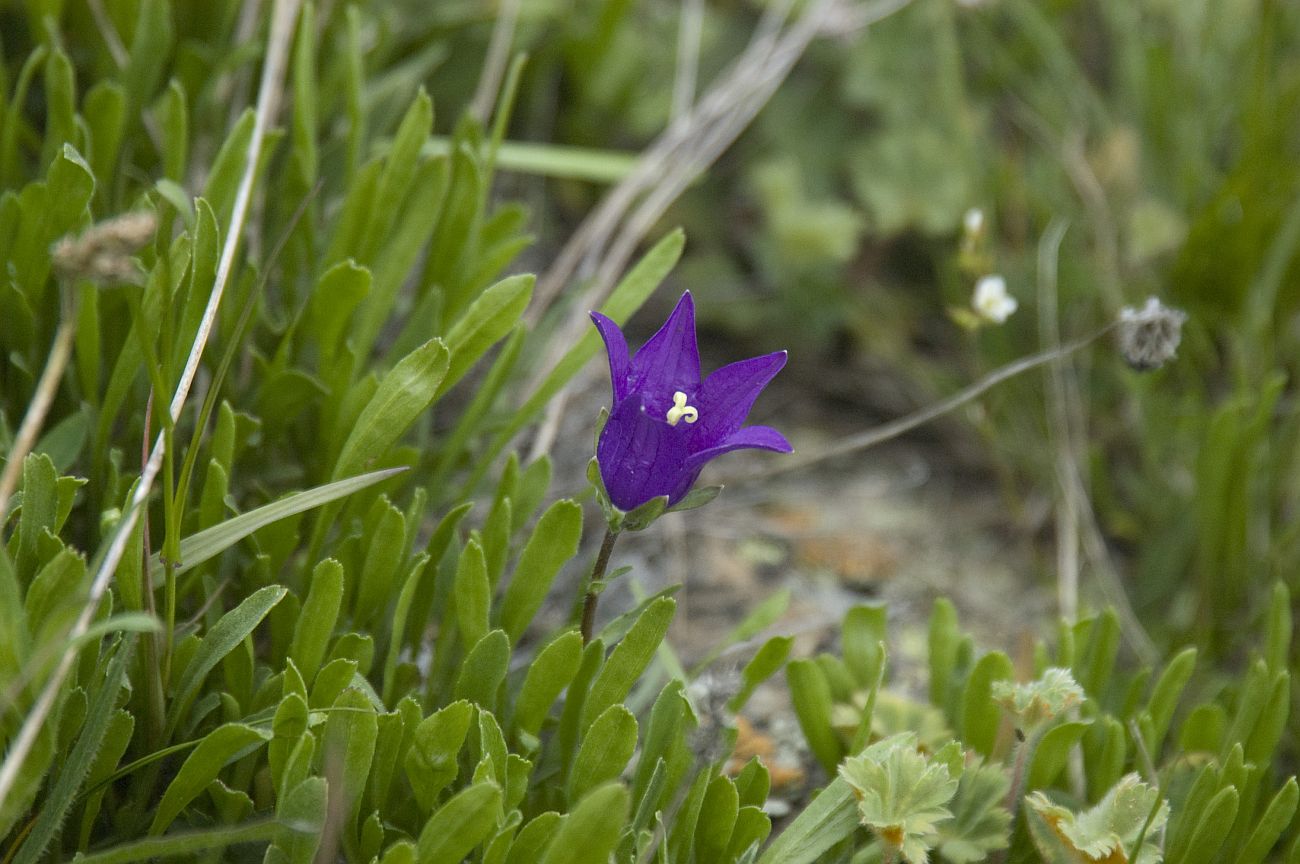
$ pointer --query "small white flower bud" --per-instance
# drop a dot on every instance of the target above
(1148, 337)
(991, 300)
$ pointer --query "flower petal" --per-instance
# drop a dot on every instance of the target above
(616, 348)
(726, 396)
(670, 361)
(641, 457)
(755, 437)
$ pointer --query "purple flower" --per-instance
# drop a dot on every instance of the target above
(666, 423)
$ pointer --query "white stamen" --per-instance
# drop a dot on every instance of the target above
(681, 411)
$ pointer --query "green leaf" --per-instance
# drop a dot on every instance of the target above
(454, 239)
(461, 824)
(605, 751)
(338, 293)
(223, 177)
(766, 662)
(151, 46)
(305, 96)
(385, 546)
(980, 824)
(831, 817)
(1106, 830)
(399, 171)
(1164, 698)
(320, 612)
(548, 675)
(1278, 640)
(57, 587)
(1277, 816)
(79, 763)
(349, 744)
(811, 696)
(217, 749)
(980, 715)
(1053, 751)
(1264, 738)
(104, 110)
(484, 669)
(431, 762)
(902, 795)
(235, 626)
(472, 594)
(211, 542)
(116, 739)
(39, 511)
(174, 120)
(594, 165)
(752, 827)
(404, 394)
(945, 640)
(1104, 762)
(863, 632)
(489, 318)
(553, 543)
(717, 819)
(629, 659)
(288, 725)
(397, 635)
(534, 837)
(304, 809)
(184, 845)
(591, 830)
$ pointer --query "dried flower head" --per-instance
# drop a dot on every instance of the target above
(991, 300)
(103, 252)
(1149, 337)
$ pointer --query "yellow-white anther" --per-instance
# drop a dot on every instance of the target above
(681, 411)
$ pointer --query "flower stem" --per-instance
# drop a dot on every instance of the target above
(887, 431)
(1025, 748)
(596, 584)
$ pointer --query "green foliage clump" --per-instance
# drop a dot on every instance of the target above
(1076, 765)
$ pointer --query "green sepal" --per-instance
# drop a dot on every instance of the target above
(696, 498)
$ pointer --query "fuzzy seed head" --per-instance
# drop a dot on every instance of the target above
(103, 252)
(1148, 337)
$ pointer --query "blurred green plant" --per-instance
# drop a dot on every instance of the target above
(1160, 132)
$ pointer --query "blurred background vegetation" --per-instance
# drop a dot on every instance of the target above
(1163, 135)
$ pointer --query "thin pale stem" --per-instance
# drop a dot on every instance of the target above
(596, 584)
(46, 387)
(1019, 775)
(494, 64)
(153, 650)
(887, 431)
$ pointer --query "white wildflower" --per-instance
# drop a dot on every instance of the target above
(991, 300)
